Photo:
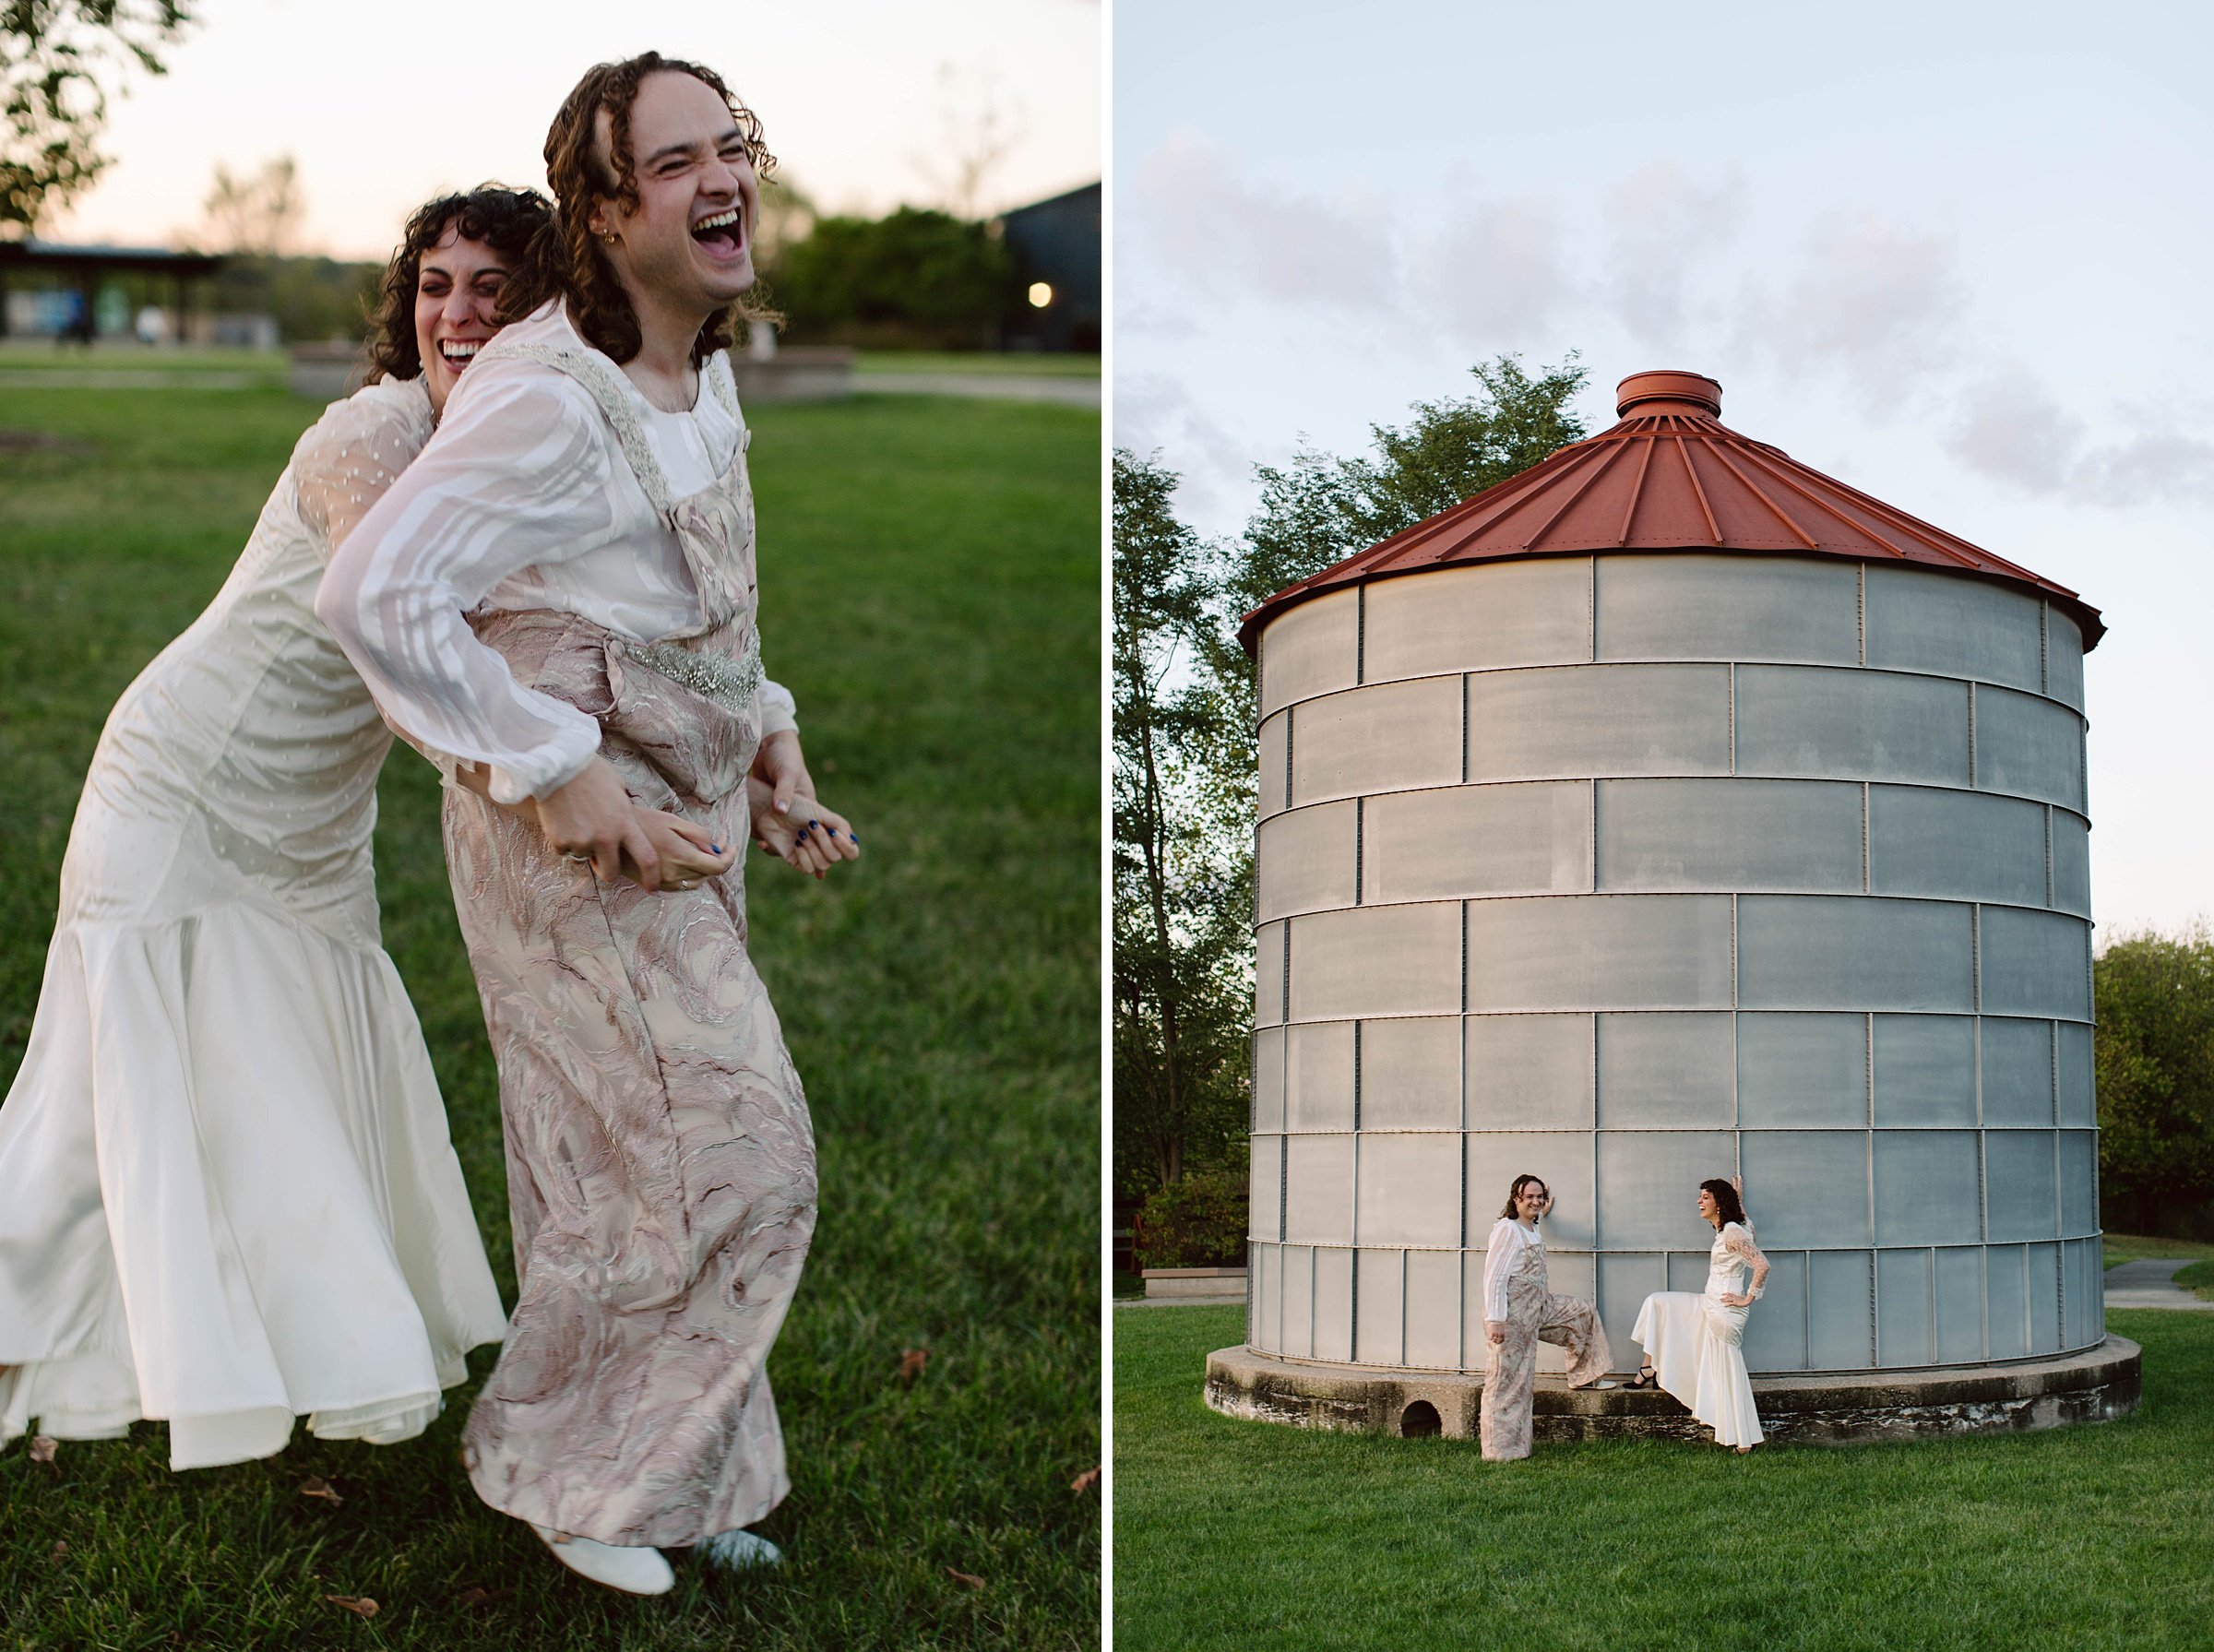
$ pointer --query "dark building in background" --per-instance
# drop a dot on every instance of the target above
(1055, 243)
(82, 290)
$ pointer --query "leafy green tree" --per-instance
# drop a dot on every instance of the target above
(1183, 892)
(1319, 509)
(1185, 729)
(917, 278)
(53, 55)
(2155, 1061)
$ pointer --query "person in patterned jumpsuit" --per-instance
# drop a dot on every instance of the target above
(562, 589)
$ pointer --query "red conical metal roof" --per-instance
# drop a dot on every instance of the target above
(1671, 476)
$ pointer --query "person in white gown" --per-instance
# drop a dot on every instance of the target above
(228, 1197)
(1693, 1340)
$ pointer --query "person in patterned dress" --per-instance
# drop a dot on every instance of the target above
(562, 590)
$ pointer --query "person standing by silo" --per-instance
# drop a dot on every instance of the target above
(1693, 1342)
(1519, 1312)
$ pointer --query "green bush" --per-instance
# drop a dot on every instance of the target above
(917, 280)
(1197, 1220)
(2155, 1045)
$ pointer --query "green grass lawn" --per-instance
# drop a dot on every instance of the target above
(929, 572)
(1239, 1534)
(1027, 364)
(2118, 1248)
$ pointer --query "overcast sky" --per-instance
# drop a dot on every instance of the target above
(388, 103)
(1953, 254)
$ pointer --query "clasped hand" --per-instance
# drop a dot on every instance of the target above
(592, 817)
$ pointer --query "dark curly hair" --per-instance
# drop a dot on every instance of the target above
(507, 220)
(1726, 1203)
(1515, 1192)
(565, 260)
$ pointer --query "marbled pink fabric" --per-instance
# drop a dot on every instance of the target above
(660, 1164)
(1535, 1314)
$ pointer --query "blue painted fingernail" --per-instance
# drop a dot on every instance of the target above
(715, 849)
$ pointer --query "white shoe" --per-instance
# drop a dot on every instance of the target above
(633, 1571)
(1603, 1383)
(740, 1551)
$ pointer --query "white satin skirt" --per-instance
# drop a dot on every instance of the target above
(228, 1197)
(1695, 1344)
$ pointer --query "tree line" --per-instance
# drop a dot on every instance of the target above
(917, 278)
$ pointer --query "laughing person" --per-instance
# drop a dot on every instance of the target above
(562, 591)
(228, 1199)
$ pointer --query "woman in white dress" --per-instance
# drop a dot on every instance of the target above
(1692, 1340)
(228, 1197)
(1521, 1311)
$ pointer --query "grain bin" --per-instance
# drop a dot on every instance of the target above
(1668, 811)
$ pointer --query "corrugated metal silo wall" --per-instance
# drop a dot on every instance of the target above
(1629, 871)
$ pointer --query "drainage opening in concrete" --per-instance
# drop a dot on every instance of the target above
(1418, 1421)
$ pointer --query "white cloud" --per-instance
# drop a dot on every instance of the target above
(1496, 271)
(1880, 306)
(1869, 299)
(2013, 429)
(1226, 232)
(1666, 228)
(1155, 414)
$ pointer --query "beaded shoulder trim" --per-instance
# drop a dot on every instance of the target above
(721, 377)
(608, 390)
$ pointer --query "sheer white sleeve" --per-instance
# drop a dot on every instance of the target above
(345, 464)
(1738, 1241)
(515, 478)
(1499, 1259)
(779, 711)
(350, 457)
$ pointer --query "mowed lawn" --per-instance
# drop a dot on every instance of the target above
(1235, 1535)
(929, 571)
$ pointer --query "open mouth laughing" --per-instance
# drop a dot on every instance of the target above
(458, 352)
(720, 233)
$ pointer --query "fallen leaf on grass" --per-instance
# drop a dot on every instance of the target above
(477, 1594)
(1085, 1481)
(911, 1361)
(316, 1486)
(41, 1448)
(361, 1606)
(968, 1580)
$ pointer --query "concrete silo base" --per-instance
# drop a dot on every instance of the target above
(2097, 1386)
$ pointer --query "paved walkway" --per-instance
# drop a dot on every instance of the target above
(988, 386)
(2151, 1284)
(125, 378)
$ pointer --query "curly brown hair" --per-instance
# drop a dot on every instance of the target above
(565, 260)
(1725, 1201)
(1515, 1192)
(507, 220)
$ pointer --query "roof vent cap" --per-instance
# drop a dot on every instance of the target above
(1695, 392)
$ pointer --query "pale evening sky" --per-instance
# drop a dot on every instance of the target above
(1952, 256)
(387, 104)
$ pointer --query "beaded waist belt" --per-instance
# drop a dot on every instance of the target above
(730, 684)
